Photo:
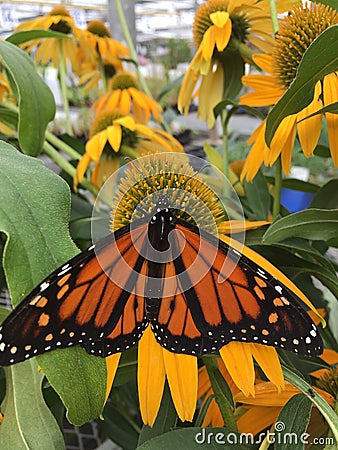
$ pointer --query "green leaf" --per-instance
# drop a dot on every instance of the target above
(332, 3)
(327, 196)
(332, 108)
(118, 426)
(34, 216)
(213, 156)
(9, 117)
(322, 151)
(199, 438)
(233, 69)
(35, 99)
(20, 37)
(292, 421)
(324, 51)
(258, 196)
(314, 224)
(296, 185)
(236, 106)
(28, 423)
(165, 420)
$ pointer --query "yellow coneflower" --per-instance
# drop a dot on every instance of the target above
(156, 363)
(297, 32)
(125, 95)
(218, 26)
(96, 42)
(48, 49)
(114, 134)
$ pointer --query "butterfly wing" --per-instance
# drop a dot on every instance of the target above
(79, 304)
(249, 305)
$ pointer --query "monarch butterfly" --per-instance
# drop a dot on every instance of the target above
(105, 297)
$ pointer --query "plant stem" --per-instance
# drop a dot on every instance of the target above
(225, 143)
(325, 409)
(63, 88)
(102, 74)
(62, 146)
(223, 403)
(133, 55)
(274, 15)
(67, 167)
(245, 51)
(277, 190)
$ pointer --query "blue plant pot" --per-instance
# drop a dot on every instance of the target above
(295, 200)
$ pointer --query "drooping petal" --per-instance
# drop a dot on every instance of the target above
(309, 129)
(209, 96)
(237, 358)
(112, 363)
(114, 134)
(81, 168)
(182, 375)
(267, 359)
(282, 142)
(255, 157)
(95, 145)
(150, 376)
(127, 122)
(330, 93)
(257, 418)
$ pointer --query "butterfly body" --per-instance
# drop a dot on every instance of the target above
(196, 292)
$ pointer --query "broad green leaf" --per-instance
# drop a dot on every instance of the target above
(20, 37)
(327, 196)
(332, 3)
(34, 216)
(292, 423)
(165, 421)
(213, 156)
(322, 151)
(233, 69)
(332, 108)
(258, 195)
(35, 99)
(297, 185)
(314, 224)
(324, 51)
(235, 107)
(28, 423)
(9, 117)
(199, 438)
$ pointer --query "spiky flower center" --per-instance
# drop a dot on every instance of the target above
(61, 26)
(124, 80)
(104, 120)
(297, 31)
(159, 175)
(329, 381)
(98, 27)
(59, 11)
(202, 21)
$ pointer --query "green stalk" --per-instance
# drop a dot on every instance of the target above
(134, 57)
(277, 189)
(67, 149)
(221, 400)
(102, 74)
(67, 167)
(225, 143)
(325, 409)
(274, 15)
(245, 51)
(63, 88)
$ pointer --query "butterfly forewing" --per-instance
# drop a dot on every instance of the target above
(79, 304)
(249, 305)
